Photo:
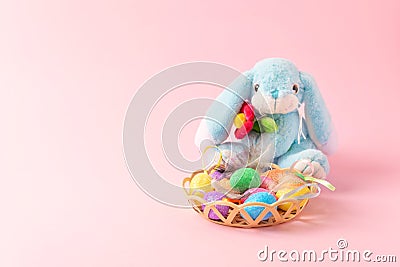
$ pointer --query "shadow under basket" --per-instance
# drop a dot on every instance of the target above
(237, 215)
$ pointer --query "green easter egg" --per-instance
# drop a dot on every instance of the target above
(244, 179)
(268, 125)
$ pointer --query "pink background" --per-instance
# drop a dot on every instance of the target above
(68, 70)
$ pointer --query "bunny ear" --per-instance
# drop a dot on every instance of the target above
(219, 118)
(318, 120)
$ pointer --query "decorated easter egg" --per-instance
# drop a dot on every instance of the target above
(215, 196)
(201, 181)
(255, 211)
(244, 179)
(252, 191)
(301, 192)
(239, 120)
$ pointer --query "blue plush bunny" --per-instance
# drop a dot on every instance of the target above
(276, 89)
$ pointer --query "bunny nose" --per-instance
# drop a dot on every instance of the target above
(275, 94)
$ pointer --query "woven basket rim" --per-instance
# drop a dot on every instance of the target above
(238, 216)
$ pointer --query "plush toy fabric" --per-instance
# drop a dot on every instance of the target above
(276, 89)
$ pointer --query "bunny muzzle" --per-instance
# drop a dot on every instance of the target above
(267, 104)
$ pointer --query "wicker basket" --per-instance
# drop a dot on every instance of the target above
(237, 215)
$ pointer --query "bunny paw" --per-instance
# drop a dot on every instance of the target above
(316, 170)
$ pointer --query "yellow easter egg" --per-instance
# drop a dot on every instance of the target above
(281, 192)
(239, 120)
(201, 181)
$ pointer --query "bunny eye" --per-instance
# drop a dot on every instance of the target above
(295, 88)
(256, 87)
